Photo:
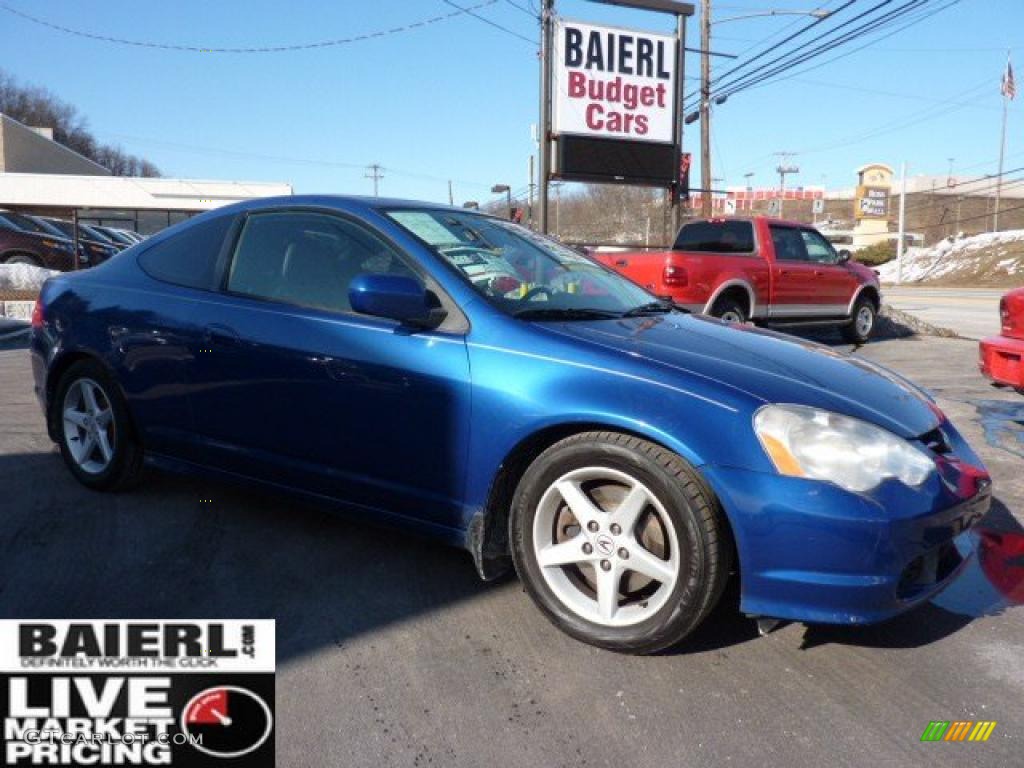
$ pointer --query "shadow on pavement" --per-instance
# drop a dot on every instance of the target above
(179, 547)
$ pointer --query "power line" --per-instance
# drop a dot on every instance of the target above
(487, 21)
(523, 8)
(256, 49)
(218, 151)
(794, 58)
(913, 20)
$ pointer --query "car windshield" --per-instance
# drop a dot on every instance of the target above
(47, 227)
(24, 223)
(523, 273)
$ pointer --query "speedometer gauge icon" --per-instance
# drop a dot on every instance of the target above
(227, 721)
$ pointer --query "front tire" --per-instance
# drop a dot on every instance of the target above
(94, 429)
(619, 542)
(861, 326)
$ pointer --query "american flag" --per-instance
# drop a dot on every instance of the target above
(1009, 89)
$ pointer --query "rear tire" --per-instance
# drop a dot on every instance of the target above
(638, 587)
(729, 310)
(94, 429)
(860, 328)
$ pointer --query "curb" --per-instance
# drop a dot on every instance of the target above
(900, 323)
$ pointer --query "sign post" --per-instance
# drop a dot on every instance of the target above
(611, 103)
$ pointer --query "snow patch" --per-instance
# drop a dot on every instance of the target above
(23, 277)
(964, 258)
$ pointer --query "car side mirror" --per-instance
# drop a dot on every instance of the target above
(844, 256)
(395, 297)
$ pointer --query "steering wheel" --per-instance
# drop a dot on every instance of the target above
(537, 289)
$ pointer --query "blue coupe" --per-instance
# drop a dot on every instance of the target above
(461, 376)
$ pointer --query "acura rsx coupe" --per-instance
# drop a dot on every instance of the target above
(463, 377)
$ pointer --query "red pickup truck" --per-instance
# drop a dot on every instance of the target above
(765, 270)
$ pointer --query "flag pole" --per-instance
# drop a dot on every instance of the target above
(1002, 144)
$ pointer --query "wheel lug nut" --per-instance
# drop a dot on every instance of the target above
(587, 548)
(624, 553)
(616, 529)
(592, 526)
(606, 565)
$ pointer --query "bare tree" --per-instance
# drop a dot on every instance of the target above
(38, 107)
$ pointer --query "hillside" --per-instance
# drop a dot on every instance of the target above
(993, 259)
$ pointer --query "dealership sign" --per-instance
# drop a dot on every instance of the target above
(614, 83)
(872, 202)
(146, 692)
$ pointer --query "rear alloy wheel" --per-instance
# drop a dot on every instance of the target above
(859, 330)
(96, 439)
(729, 311)
(619, 542)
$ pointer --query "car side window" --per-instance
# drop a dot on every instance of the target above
(189, 257)
(789, 245)
(819, 250)
(308, 259)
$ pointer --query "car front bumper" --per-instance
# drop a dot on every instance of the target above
(811, 551)
(1001, 359)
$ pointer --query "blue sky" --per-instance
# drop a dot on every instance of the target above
(456, 99)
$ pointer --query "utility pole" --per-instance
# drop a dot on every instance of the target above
(544, 131)
(901, 243)
(705, 108)
(377, 174)
(451, 197)
(784, 169)
(1009, 90)
(748, 176)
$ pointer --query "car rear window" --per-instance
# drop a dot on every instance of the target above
(188, 257)
(716, 237)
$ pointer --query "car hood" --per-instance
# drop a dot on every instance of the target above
(767, 366)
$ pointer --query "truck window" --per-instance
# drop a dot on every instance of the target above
(716, 237)
(818, 248)
(789, 245)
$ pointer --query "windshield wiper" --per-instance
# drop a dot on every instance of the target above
(651, 308)
(564, 313)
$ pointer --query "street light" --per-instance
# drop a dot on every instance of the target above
(497, 189)
(704, 112)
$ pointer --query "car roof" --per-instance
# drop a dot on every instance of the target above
(340, 202)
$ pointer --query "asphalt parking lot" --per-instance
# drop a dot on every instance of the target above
(391, 652)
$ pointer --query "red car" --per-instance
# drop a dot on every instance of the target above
(1002, 357)
(767, 270)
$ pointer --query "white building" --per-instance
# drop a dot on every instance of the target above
(38, 175)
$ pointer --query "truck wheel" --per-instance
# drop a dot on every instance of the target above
(729, 310)
(859, 329)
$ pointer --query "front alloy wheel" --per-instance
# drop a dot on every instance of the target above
(619, 541)
(606, 546)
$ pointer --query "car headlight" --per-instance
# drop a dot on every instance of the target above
(821, 445)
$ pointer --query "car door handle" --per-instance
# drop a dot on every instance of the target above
(222, 335)
(621, 263)
(819, 273)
